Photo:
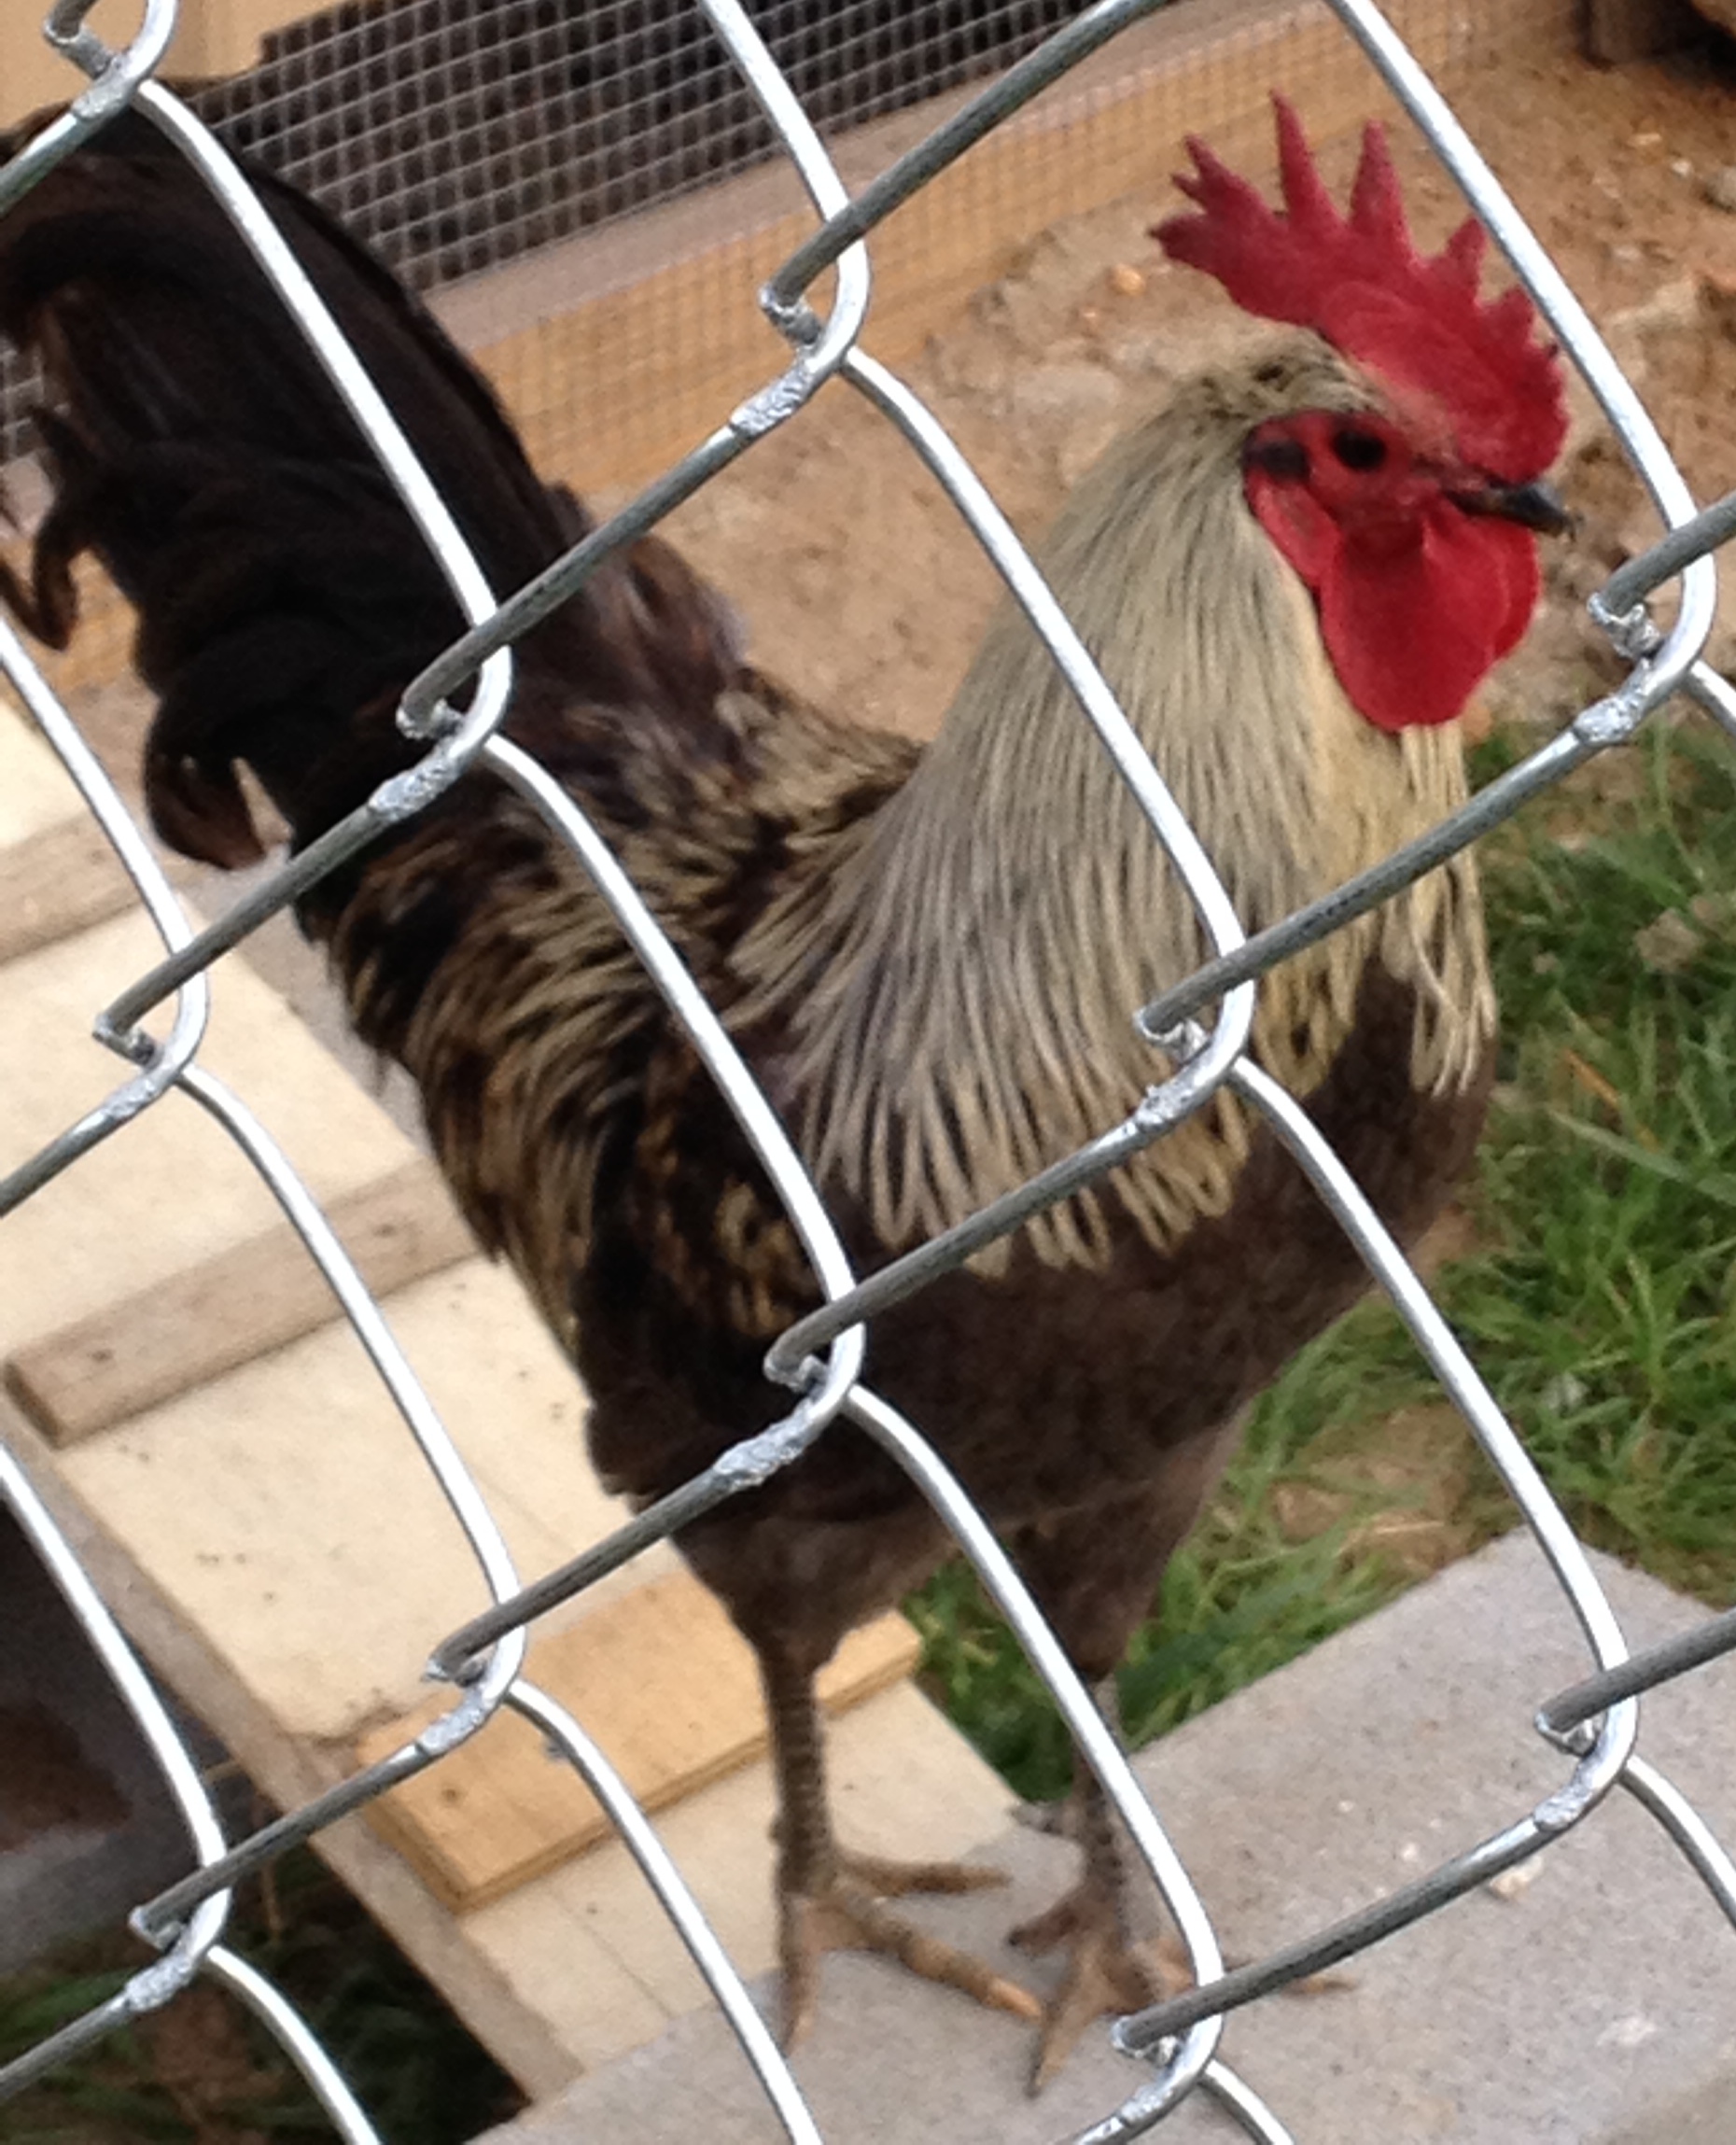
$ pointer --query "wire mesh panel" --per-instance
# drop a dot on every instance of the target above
(1199, 1031)
(458, 138)
(454, 133)
(457, 134)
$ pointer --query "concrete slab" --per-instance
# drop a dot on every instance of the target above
(1595, 2006)
(1705, 2117)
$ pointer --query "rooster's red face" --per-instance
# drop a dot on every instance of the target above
(1423, 570)
(1413, 530)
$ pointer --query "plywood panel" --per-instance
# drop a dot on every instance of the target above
(667, 1686)
(285, 1508)
(173, 1190)
(60, 880)
(239, 1304)
(36, 796)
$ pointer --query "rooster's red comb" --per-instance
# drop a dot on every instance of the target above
(1359, 281)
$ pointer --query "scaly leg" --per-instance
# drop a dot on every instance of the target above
(1113, 1966)
(830, 1900)
(1095, 1574)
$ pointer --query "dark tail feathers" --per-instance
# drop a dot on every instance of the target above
(197, 450)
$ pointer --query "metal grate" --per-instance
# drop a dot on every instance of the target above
(453, 135)
(1593, 1728)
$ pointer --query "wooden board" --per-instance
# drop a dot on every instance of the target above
(227, 1309)
(667, 1686)
(285, 1508)
(280, 1552)
(36, 797)
(170, 1191)
(60, 880)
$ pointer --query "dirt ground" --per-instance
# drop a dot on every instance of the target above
(860, 584)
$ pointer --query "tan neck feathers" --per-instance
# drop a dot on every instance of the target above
(992, 935)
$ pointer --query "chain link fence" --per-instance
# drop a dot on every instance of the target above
(1204, 1020)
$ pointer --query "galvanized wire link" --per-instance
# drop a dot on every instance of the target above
(1596, 1771)
(678, 1903)
(1714, 696)
(1163, 1108)
(1696, 537)
(116, 78)
(1184, 2065)
(1705, 1851)
(404, 794)
(752, 1461)
(1594, 1723)
(280, 2018)
(160, 1917)
(161, 1064)
(1644, 1672)
(1007, 94)
(1245, 2105)
(1608, 721)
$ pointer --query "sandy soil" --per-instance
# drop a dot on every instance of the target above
(860, 584)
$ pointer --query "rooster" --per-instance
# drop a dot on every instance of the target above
(1293, 575)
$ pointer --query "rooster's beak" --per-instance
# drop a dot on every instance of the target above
(1535, 506)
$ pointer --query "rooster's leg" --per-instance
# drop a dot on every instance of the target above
(1117, 1959)
(1095, 1574)
(832, 1900)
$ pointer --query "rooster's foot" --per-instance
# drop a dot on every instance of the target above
(845, 1914)
(1108, 1972)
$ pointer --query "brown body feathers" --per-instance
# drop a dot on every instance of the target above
(931, 959)
(826, 902)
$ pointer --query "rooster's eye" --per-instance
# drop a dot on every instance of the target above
(1279, 456)
(1359, 450)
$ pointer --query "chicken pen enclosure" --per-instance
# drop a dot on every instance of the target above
(592, 199)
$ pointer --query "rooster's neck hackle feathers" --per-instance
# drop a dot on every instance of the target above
(1008, 911)
(1419, 323)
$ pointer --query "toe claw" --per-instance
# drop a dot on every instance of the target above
(1107, 1974)
(890, 1879)
(846, 1914)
